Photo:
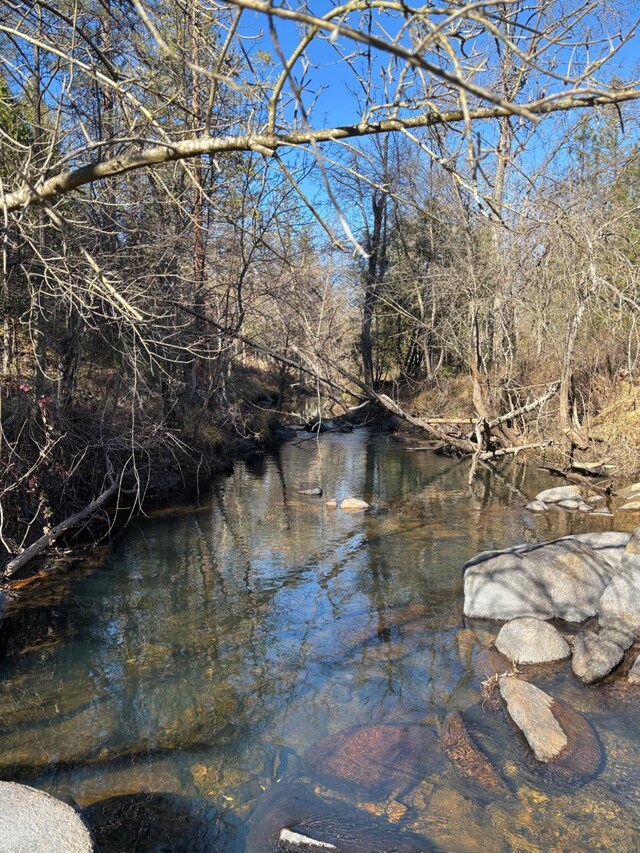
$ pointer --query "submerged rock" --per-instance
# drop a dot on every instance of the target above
(594, 656)
(34, 822)
(293, 807)
(561, 739)
(467, 757)
(375, 760)
(531, 640)
(93, 735)
(559, 493)
(562, 579)
(490, 662)
(354, 505)
(150, 823)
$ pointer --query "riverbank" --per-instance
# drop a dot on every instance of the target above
(75, 476)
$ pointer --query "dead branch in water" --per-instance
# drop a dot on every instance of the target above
(49, 538)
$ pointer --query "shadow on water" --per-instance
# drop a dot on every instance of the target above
(179, 691)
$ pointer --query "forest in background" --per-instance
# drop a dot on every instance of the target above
(216, 214)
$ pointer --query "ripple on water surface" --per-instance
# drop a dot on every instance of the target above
(262, 639)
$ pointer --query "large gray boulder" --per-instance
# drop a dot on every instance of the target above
(559, 493)
(34, 822)
(610, 545)
(530, 640)
(619, 605)
(594, 656)
(563, 579)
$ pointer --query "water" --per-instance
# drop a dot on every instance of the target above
(220, 642)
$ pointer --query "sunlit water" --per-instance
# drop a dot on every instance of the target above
(220, 642)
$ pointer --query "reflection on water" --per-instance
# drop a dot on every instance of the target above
(222, 642)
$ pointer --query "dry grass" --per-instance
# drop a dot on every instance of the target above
(617, 424)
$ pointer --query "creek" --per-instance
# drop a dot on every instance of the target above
(178, 683)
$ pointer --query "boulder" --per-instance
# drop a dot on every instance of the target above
(315, 492)
(562, 740)
(563, 579)
(467, 757)
(150, 823)
(619, 634)
(569, 503)
(619, 605)
(559, 493)
(530, 640)
(531, 710)
(594, 656)
(353, 505)
(610, 545)
(33, 821)
(537, 506)
(634, 672)
(332, 504)
(375, 760)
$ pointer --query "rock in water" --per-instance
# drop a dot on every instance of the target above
(530, 709)
(34, 822)
(562, 579)
(560, 738)
(620, 602)
(293, 807)
(537, 506)
(559, 493)
(314, 493)
(375, 760)
(466, 756)
(150, 823)
(569, 503)
(530, 640)
(634, 672)
(594, 656)
(354, 505)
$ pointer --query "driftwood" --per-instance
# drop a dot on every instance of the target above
(49, 538)
(463, 444)
(512, 451)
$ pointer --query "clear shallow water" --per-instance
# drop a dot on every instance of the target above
(220, 642)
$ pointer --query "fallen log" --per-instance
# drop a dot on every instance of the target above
(512, 451)
(49, 538)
